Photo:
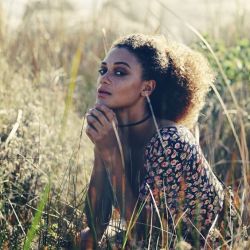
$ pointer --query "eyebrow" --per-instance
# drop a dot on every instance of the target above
(124, 63)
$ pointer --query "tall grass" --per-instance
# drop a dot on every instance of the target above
(36, 220)
(48, 71)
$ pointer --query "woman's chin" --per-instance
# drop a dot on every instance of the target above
(103, 102)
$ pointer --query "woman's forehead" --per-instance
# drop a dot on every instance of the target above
(121, 55)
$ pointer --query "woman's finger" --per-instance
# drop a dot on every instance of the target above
(91, 133)
(93, 122)
(99, 116)
(109, 114)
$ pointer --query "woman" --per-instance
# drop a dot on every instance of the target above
(147, 163)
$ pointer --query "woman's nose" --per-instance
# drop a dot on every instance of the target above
(105, 79)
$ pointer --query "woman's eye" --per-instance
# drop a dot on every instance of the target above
(102, 71)
(119, 73)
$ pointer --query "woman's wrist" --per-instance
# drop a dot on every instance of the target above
(87, 239)
(108, 155)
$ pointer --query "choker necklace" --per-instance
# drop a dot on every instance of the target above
(134, 123)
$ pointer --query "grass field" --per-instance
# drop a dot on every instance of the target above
(48, 70)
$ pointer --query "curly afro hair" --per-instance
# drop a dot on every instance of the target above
(182, 76)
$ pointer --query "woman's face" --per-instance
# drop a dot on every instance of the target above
(120, 82)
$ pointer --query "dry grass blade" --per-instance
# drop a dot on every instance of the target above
(104, 35)
(119, 144)
(158, 214)
(123, 166)
(72, 85)
(133, 220)
(15, 127)
(199, 232)
(19, 222)
(211, 228)
(151, 226)
(154, 119)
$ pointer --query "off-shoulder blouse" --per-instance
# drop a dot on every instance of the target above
(180, 183)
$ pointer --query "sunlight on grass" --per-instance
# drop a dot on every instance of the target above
(48, 72)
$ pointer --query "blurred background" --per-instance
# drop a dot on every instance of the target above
(207, 16)
(49, 57)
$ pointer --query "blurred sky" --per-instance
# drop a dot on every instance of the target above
(202, 14)
(13, 9)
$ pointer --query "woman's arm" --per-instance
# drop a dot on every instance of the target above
(101, 132)
(121, 188)
(98, 203)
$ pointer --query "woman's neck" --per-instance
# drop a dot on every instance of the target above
(134, 123)
(131, 117)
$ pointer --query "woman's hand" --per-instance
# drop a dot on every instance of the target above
(100, 129)
(86, 239)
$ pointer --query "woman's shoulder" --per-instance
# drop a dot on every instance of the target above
(170, 135)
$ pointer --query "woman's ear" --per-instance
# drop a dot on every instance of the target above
(148, 87)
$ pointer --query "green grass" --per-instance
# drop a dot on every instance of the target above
(37, 218)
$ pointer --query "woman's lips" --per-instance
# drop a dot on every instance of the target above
(103, 93)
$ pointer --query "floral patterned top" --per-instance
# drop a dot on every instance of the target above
(180, 181)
